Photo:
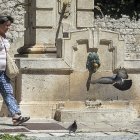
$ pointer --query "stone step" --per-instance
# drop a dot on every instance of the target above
(115, 104)
(44, 55)
(94, 115)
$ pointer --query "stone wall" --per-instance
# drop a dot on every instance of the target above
(129, 30)
(16, 10)
(71, 69)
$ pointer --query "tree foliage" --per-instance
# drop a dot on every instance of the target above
(117, 8)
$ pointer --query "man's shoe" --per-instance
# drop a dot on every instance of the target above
(20, 120)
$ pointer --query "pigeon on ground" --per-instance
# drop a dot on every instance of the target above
(72, 127)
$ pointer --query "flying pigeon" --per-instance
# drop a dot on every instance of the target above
(124, 85)
(119, 81)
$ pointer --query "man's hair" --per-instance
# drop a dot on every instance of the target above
(4, 19)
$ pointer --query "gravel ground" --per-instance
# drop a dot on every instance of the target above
(87, 137)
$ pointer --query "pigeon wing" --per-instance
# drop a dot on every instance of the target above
(123, 86)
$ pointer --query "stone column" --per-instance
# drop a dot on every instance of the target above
(84, 14)
(40, 24)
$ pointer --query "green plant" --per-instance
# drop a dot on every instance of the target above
(117, 8)
(11, 137)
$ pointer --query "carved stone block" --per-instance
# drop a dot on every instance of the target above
(45, 3)
(45, 36)
(44, 18)
(85, 19)
(83, 4)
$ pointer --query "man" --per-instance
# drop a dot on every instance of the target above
(6, 89)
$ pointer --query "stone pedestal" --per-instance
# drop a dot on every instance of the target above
(46, 23)
(98, 115)
(40, 23)
(45, 82)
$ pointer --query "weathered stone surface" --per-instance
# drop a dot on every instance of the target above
(45, 36)
(45, 3)
(84, 19)
(83, 4)
(44, 18)
(7, 8)
(98, 115)
(43, 80)
(39, 109)
(99, 111)
(43, 63)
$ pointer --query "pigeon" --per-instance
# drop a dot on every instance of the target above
(119, 81)
(122, 73)
(72, 127)
(124, 85)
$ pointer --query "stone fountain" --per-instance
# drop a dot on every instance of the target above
(52, 83)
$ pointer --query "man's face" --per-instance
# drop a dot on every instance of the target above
(4, 27)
